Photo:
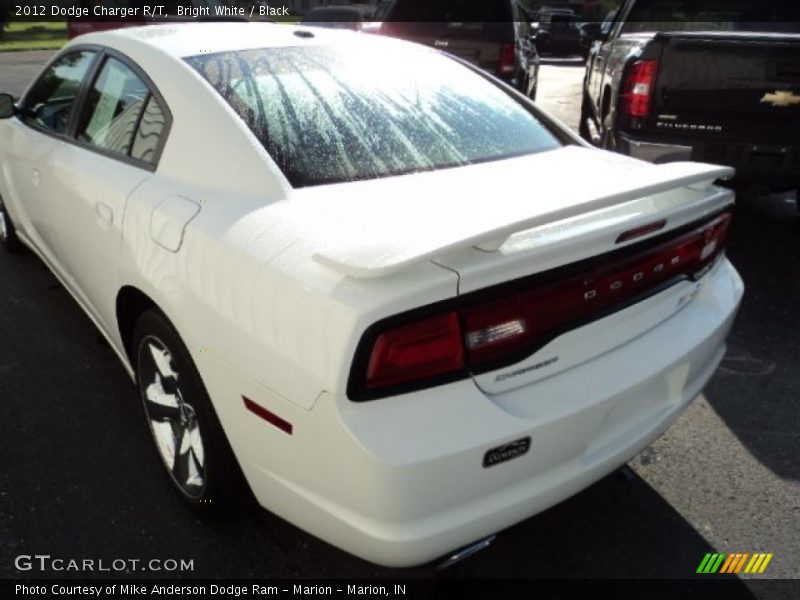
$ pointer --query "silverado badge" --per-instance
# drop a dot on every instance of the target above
(781, 98)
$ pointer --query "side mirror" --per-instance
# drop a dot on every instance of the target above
(7, 106)
(594, 31)
(591, 28)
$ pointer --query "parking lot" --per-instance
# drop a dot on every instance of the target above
(79, 479)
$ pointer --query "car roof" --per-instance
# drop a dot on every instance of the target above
(191, 39)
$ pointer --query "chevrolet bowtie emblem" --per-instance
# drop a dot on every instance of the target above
(781, 99)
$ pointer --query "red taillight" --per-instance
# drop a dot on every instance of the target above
(478, 336)
(508, 59)
(638, 92)
(417, 350)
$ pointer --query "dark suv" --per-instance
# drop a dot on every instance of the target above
(495, 36)
(558, 32)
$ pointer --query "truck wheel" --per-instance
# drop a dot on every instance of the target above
(607, 140)
(583, 127)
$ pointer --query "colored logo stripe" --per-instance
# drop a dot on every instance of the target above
(711, 563)
(758, 563)
(734, 562)
(727, 566)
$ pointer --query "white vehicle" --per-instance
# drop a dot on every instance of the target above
(383, 289)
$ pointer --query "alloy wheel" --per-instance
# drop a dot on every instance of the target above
(172, 418)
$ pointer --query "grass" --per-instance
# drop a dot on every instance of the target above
(34, 35)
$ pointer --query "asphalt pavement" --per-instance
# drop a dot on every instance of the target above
(79, 477)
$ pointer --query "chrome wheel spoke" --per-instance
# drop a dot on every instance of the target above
(185, 468)
(196, 476)
(180, 465)
(161, 406)
(163, 362)
(164, 435)
(197, 446)
(192, 446)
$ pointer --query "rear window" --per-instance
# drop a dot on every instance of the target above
(452, 18)
(333, 114)
(776, 16)
(450, 10)
(324, 15)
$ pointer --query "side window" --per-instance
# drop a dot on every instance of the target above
(148, 136)
(112, 110)
(121, 114)
(50, 100)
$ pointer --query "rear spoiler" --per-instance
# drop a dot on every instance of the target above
(379, 257)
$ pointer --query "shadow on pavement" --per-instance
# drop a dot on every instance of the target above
(756, 389)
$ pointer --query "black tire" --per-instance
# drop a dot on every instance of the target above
(534, 89)
(608, 140)
(8, 234)
(586, 114)
(204, 474)
(522, 87)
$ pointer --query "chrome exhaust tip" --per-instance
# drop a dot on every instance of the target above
(465, 552)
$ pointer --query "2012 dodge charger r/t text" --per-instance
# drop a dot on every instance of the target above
(364, 278)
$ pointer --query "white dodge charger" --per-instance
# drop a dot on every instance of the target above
(365, 280)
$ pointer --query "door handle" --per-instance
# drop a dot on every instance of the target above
(105, 215)
(37, 177)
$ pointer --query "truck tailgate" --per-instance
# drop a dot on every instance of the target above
(731, 85)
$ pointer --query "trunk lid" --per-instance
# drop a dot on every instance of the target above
(500, 223)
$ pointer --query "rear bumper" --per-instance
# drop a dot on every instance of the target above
(400, 481)
(653, 152)
(764, 164)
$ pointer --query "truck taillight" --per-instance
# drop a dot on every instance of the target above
(508, 59)
(475, 335)
(638, 91)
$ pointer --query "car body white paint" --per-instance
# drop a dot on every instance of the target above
(271, 289)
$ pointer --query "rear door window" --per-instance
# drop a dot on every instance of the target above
(121, 115)
(112, 111)
(148, 136)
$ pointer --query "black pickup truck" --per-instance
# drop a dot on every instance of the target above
(709, 80)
